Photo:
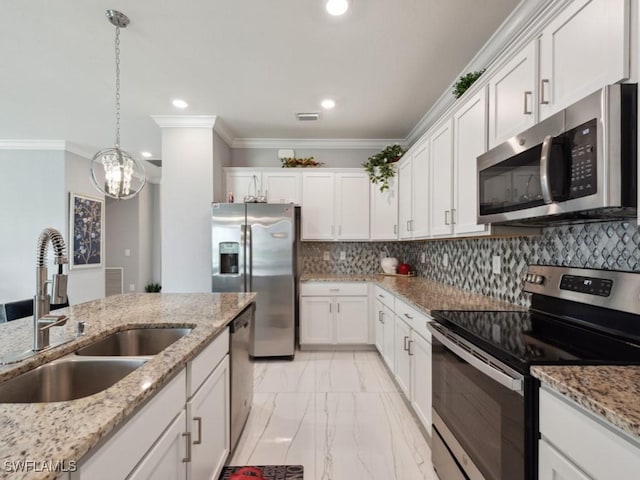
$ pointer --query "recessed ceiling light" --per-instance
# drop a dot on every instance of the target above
(146, 154)
(337, 7)
(328, 103)
(180, 103)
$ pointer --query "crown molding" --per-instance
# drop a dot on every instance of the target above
(323, 143)
(185, 121)
(32, 145)
(226, 135)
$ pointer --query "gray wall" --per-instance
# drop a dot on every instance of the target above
(221, 159)
(268, 157)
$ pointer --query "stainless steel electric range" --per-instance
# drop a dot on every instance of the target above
(485, 402)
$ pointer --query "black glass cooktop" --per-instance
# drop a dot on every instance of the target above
(524, 338)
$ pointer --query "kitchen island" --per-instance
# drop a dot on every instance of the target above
(64, 432)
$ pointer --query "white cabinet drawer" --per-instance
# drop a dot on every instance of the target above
(385, 297)
(200, 367)
(333, 289)
(599, 450)
(416, 319)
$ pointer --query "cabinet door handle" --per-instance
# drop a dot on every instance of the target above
(446, 217)
(409, 349)
(330, 308)
(338, 304)
(543, 100)
(408, 316)
(187, 459)
(453, 216)
(408, 225)
(527, 94)
(406, 348)
(380, 316)
(199, 440)
(334, 289)
(395, 228)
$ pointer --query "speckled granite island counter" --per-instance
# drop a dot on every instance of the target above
(611, 392)
(65, 431)
(424, 294)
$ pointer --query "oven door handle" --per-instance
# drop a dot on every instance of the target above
(499, 376)
(545, 181)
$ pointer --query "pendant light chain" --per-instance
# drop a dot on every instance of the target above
(117, 87)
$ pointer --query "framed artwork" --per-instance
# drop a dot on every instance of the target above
(86, 236)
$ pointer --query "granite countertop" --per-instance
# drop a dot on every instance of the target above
(611, 392)
(65, 431)
(425, 295)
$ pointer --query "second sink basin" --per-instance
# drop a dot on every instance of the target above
(67, 379)
(135, 342)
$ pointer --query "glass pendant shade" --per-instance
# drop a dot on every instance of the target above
(117, 173)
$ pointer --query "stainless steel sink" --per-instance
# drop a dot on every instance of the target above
(135, 342)
(67, 378)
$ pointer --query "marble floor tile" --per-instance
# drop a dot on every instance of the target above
(337, 413)
(351, 372)
(280, 430)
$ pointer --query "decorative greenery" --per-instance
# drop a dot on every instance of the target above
(465, 82)
(380, 166)
(153, 288)
(292, 162)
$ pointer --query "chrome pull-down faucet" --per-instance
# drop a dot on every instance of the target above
(42, 321)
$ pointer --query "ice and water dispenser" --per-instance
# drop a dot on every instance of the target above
(229, 257)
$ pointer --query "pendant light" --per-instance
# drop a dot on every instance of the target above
(115, 172)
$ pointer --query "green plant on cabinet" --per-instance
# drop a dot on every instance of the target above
(465, 81)
(380, 166)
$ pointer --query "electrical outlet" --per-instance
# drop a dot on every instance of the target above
(445, 260)
(343, 255)
(132, 287)
(423, 257)
(326, 257)
(496, 264)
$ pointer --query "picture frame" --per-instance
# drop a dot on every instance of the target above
(86, 231)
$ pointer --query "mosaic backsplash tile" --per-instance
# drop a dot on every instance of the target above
(466, 263)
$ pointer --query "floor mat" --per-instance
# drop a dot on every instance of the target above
(263, 472)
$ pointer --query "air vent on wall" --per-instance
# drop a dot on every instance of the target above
(157, 163)
(308, 116)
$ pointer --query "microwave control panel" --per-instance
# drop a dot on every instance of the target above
(583, 176)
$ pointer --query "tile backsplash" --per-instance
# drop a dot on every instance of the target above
(466, 263)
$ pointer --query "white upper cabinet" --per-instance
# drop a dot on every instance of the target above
(405, 198)
(470, 141)
(335, 206)
(441, 189)
(512, 96)
(352, 206)
(318, 205)
(384, 210)
(242, 182)
(282, 186)
(581, 50)
(413, 184)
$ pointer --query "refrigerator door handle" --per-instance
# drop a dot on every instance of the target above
(249, 240)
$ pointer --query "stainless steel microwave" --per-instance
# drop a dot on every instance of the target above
(578, 165)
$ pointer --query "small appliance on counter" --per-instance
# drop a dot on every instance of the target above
(485, 401)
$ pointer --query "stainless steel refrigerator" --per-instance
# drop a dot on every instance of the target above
(255, 250)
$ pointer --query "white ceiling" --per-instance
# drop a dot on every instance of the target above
(253, 63)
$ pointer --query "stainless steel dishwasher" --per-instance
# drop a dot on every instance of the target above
(241, 329)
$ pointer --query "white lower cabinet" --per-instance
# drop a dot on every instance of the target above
(170, 437)
(334, 313)
(575, 444)
(166, 460)
(420, 348)
(402, 368)
(209, 414)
